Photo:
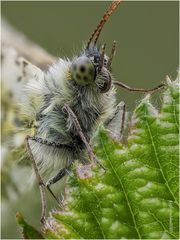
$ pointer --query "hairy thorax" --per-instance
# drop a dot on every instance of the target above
(47, 96)
(90, 107)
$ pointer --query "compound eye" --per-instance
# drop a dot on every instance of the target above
(83, 71)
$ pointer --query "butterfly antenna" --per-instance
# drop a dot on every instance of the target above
(101, 62)
(113, 50)
(104, 19)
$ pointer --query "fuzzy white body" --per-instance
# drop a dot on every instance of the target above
(45, 98)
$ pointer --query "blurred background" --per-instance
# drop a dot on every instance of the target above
(147, 50)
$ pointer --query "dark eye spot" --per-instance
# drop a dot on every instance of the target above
(10, 94)
(78, 76)
(19, 78)
(24, 63)
(85, 78)
(17, 62)
(82, 69)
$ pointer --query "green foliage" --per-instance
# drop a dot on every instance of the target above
(137, 197)
(28, 232)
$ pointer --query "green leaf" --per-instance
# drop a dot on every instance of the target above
(28, 231)
(137, 197)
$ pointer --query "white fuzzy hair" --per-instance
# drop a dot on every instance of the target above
(47, 93)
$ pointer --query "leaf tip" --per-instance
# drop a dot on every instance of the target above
(19, 218)
(168, 80)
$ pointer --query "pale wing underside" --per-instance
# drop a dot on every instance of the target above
(21, 60)
(16, 72)
(25, 47)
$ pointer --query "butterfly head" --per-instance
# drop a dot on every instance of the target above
(83, 71)
(92, 67)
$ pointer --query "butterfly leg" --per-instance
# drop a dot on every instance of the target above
(151, 90)
(55, 179)
(81, 134)
(60, 174)
(39, 179)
